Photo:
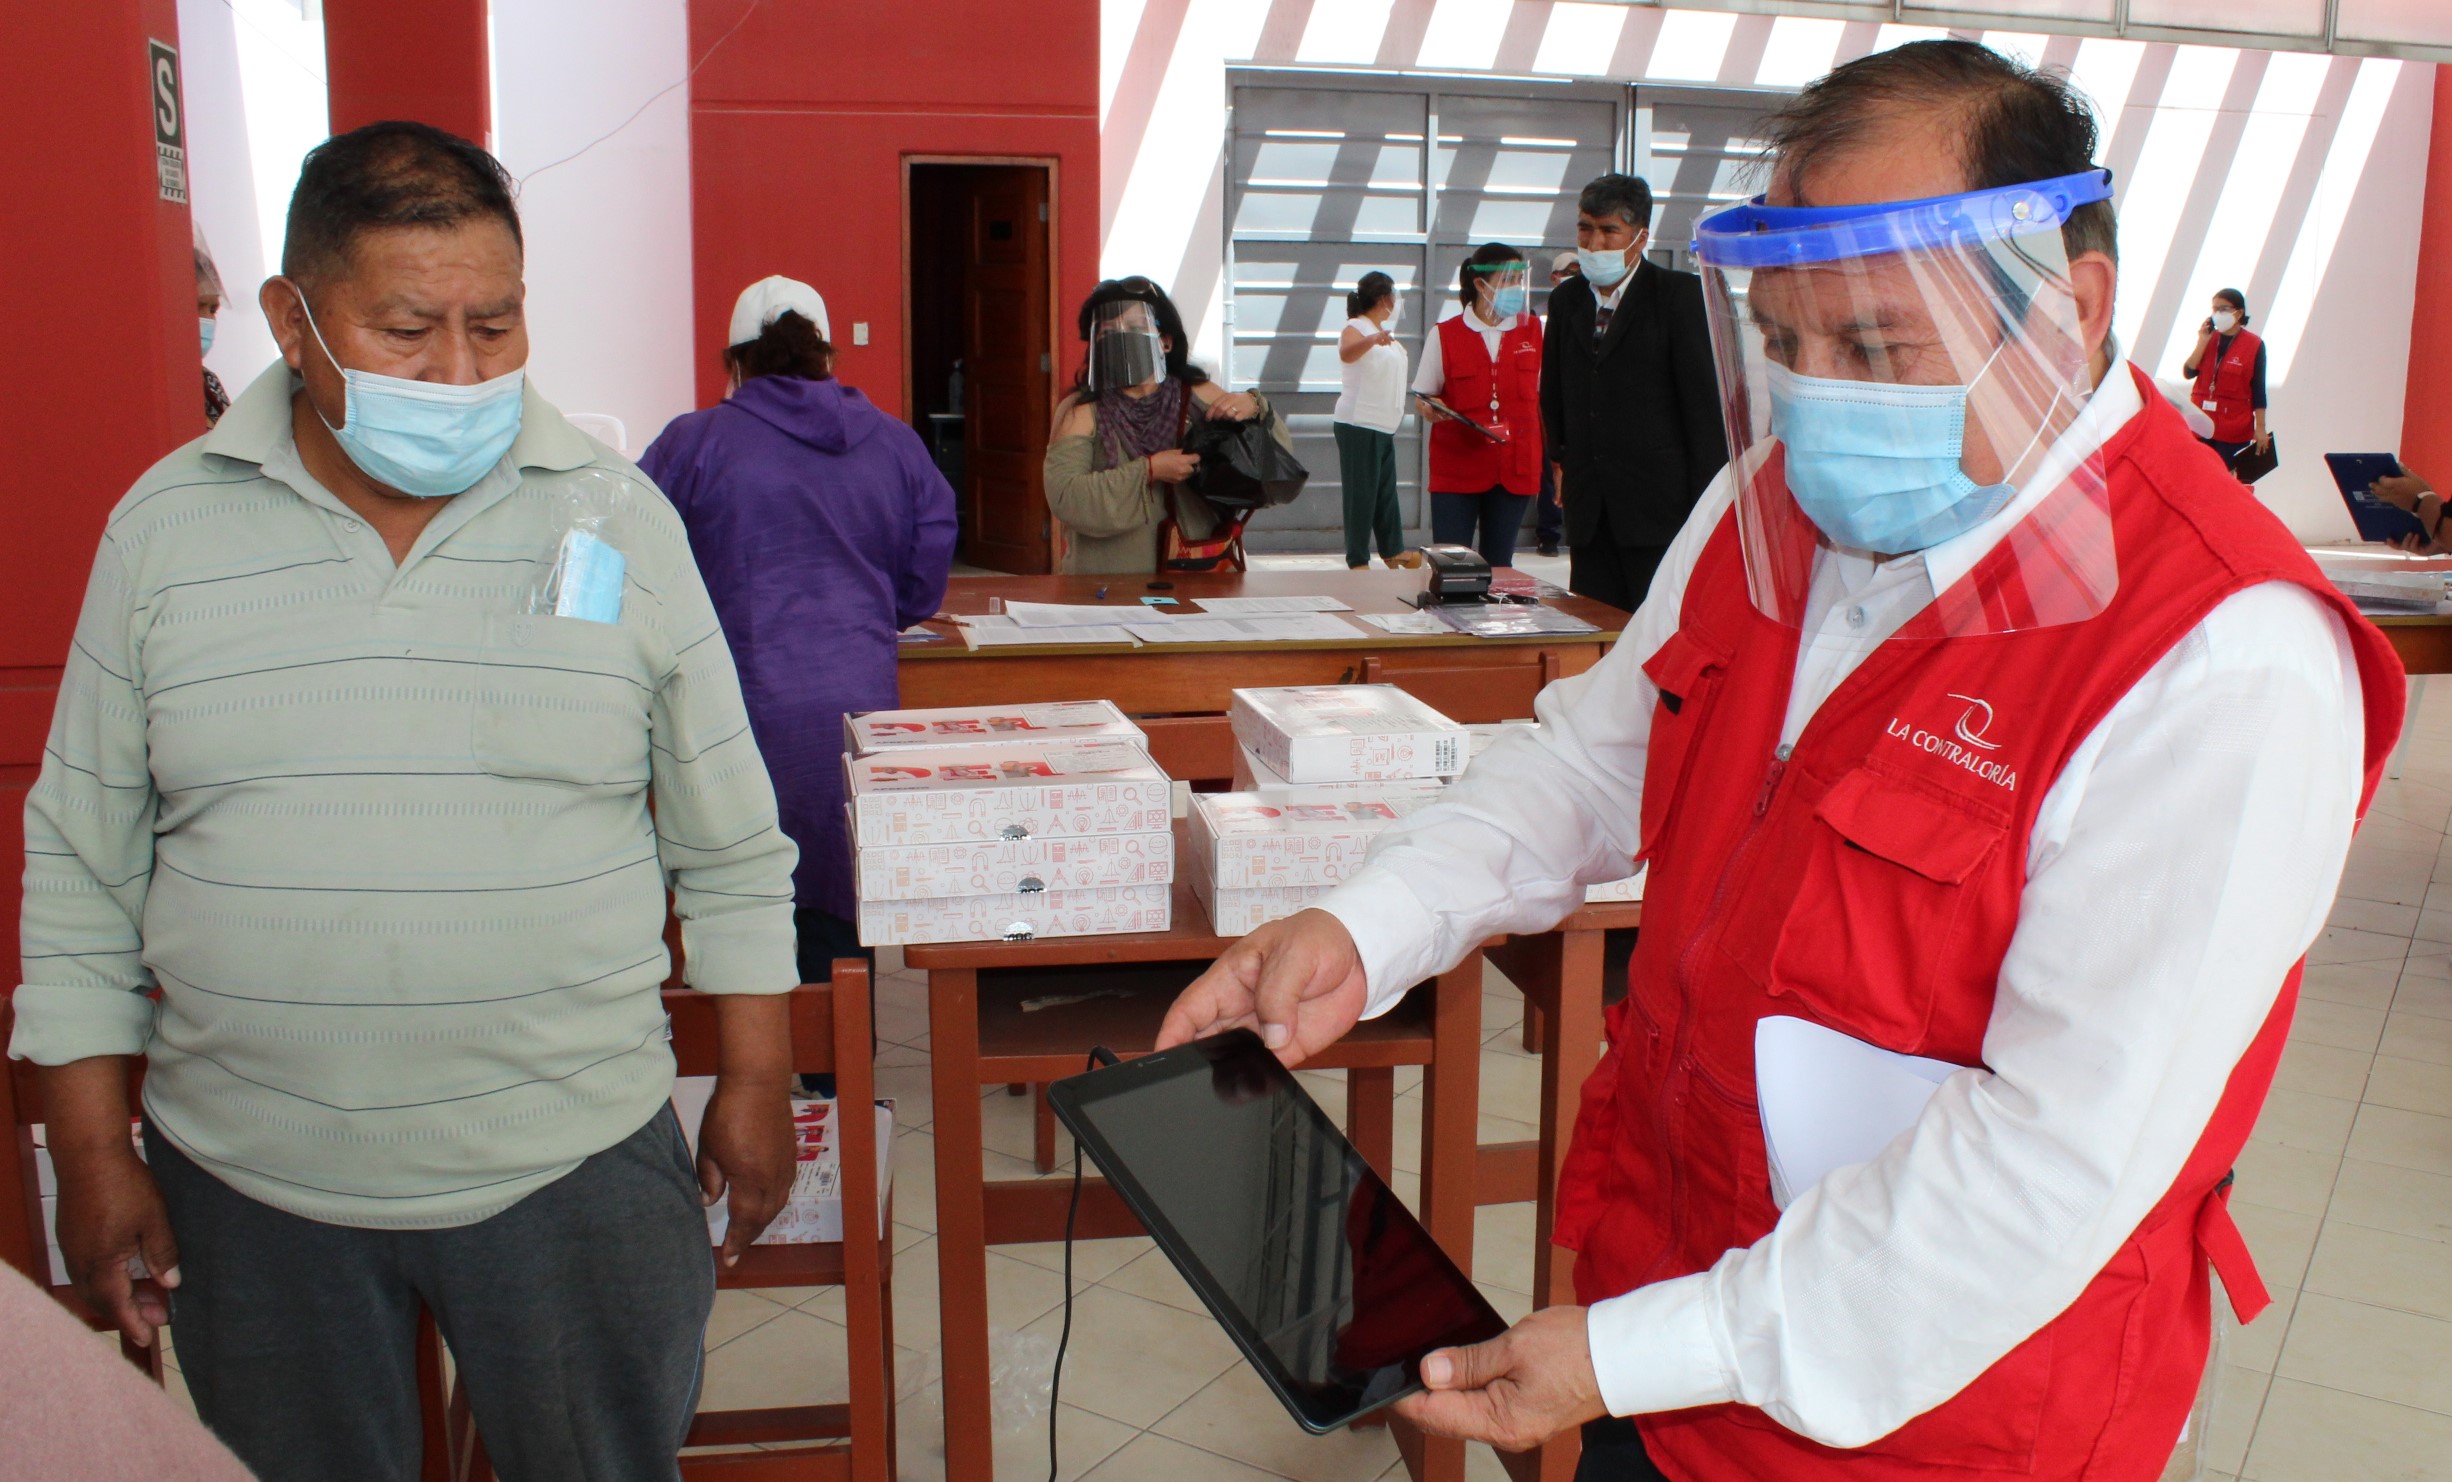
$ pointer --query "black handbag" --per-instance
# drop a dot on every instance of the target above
(1242, 464)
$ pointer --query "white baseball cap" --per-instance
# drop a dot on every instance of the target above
(763, 301)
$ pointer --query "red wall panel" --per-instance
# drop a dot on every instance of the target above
(2426, 419)
(426, 61)
(103, 299)
(801, 117)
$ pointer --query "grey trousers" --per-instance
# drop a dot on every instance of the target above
(576, 1317)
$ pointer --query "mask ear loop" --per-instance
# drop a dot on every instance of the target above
(342, 371)
(2048, 421)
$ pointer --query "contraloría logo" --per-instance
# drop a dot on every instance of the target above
(1968, 751)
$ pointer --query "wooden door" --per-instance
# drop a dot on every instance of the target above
(1008, 369)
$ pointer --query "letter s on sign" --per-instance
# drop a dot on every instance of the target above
(165, 96)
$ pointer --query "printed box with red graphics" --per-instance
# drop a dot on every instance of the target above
(1111, 911)
(1346, 733)
(988, 725)
(903, 872)
(948, 795)
(813, 1215)
(1250, 840)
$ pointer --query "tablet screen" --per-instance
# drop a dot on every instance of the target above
(1326, 1280)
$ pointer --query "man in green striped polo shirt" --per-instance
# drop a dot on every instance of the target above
(352, 762)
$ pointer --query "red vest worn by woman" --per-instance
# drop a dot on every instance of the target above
(1505, 393)
(1871, 883)
(2226, 387)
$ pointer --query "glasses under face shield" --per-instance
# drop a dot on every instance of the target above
(1905, 377)
(1126, 348)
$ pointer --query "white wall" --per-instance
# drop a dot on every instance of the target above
(2296, 178)
(608, 232)
(254, 75)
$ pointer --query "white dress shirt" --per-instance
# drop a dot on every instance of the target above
(2184, 858)
(1430, 378)
(1373, 393)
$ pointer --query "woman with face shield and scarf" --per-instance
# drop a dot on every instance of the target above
(1115, 470)
(1480, 382)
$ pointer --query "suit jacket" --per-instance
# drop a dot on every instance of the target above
(1635, 418)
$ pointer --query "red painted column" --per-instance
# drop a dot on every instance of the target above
(2426, 418)
(426, 61)
(105, 286)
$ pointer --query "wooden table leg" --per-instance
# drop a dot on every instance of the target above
(1451, 1116)
(1570, 1048)
(1530, 1037)
(962, 1231)
(1370, 1116)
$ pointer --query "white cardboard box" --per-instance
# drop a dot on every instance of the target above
(897, 872)
(988, 725)
(1346, 733)
(946, 795)
(1628, 889)
(1234, 913)
(814, 1214)
(1108, 911)
(1249, 840)
(1253, 775)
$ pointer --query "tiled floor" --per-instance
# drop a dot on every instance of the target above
(2345, 1195)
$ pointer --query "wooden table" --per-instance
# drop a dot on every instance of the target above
(1178, 692)
(2424, 643)
(979, 1035)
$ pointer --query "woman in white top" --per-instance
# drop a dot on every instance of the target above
(1368, 410)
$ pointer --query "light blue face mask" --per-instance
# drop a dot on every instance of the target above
(1876, 466)
(204, 333)
(1603, 269)
(1507, 302)
(421, 437)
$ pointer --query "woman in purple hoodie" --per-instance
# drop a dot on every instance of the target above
(822, 530)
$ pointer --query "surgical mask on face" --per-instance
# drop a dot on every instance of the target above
(2225, 321)
(421, 437)
(1396, 316)
(1876, 466)
(1507, 302)
(1603, 269)
(204, 333)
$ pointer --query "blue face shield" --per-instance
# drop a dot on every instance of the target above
(1876, 466)
(423, 437)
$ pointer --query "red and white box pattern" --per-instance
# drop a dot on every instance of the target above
(988, 725)
(1253, 775)
(900, 872)
(1110, 911)
(1346, 733)
(1234, 913)
(1249, 840)
(814, 1213)
(951, 795)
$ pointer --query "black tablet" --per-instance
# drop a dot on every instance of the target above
(2354, 474)
(1317, 1270)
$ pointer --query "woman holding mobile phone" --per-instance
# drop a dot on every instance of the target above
(2229, 370)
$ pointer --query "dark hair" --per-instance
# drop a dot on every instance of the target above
(2014, 122)
(385, 176)
(1627, 197)
(790, 346)
(1139, 290)
(2235, 299)
(1486, 259)
(1368, 293)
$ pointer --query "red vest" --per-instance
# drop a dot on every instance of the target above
(1871, 883)
(2226, 387)
(1503, 393)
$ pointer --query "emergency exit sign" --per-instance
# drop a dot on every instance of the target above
(169, 124)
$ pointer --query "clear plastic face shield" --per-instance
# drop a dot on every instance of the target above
(1126, 349)
(1901, 378)
(1509, 288)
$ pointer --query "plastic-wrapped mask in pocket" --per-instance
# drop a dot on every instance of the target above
(590, 584)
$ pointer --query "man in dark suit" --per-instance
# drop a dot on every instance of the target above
(1628, 398)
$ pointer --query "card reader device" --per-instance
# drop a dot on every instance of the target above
(1457, 573)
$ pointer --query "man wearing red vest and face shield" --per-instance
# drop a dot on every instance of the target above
(1976, 716)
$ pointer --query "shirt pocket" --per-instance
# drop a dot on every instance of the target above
(1857, 912)
(1687, 673)
(562, 700)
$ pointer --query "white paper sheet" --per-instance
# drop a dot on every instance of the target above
(1078, 614)
(987, 637)
(1424, 623)
(1264, 606)
(1829, 1100)
(1307, 627)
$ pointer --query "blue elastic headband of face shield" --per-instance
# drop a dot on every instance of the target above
(1753, 235)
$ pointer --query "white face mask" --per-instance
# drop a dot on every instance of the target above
(2225, 321)
(1396, 315)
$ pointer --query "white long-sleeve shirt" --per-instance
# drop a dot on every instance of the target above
(2181, 862)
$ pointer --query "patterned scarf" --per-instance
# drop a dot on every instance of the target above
(1132, 427)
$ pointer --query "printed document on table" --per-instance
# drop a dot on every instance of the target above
(1830, 1100)
(980, 636)
(1077, 614)
(1308, 627)
(1421, 623)
(1267, 606)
